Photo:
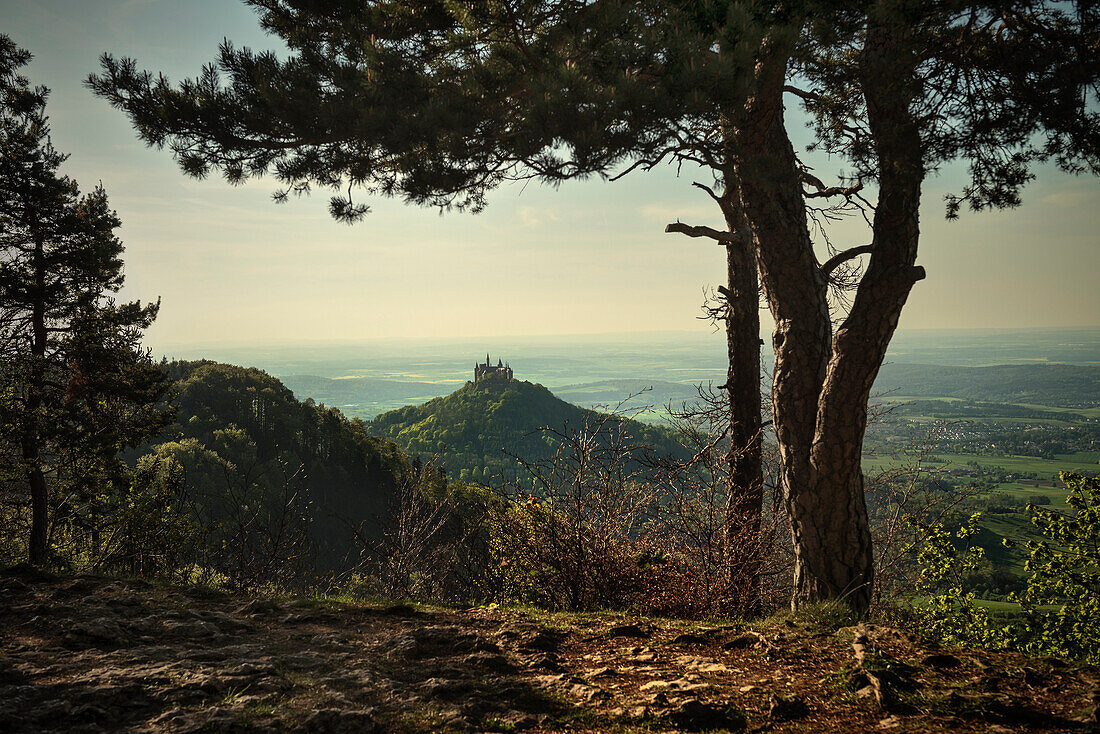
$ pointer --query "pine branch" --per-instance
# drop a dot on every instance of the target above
(844, 256)
(723, 238)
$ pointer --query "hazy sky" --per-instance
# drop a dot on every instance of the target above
(588, 257)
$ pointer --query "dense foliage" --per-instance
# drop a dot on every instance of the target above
(262, 468)
(1059, 610)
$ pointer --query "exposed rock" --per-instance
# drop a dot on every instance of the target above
(435, 641)
(517, 720)
(446, 689)
(258, 607)
(658, 699)
(627, 630)
(204, 593)
(207, 721)
(10, 672)
(543, 640)
(741, 642)
(940, 661)
(688, 638)
(193, 630)
(75, 588)
(694, 715)
(102, 632)
(546, 662)
(490, 661)
(586, 692)
(786, 709)
(601, 673)
(13, 585)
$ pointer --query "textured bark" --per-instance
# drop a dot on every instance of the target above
(822, 382)
(745, 498)
(828, 519)
(860, 344)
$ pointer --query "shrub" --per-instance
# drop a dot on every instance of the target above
(1060, 609)
(1062, 601)
(950, 614)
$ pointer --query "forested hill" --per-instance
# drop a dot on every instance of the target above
(475, 431)
(1061, 385)
(241, 433)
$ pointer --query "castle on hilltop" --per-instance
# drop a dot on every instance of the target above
(483, 371)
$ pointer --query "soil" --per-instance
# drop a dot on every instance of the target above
(92, 654)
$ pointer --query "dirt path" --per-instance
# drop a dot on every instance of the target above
(90, 654)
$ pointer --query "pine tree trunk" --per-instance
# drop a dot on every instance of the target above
(38, 552)
(829, 526)
(822, 384)
(745, 495)
(860, 344)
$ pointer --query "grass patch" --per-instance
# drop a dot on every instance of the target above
(831, 615)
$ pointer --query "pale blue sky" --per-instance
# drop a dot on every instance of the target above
(588, 257)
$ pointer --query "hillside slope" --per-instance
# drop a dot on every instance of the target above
(473, 430)
(251, 420)
(94, 655)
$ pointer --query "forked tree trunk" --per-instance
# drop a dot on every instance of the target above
(821, 382)
(860, 344)
(829, 527)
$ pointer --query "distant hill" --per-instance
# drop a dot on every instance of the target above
(473, 430)
(1056, 385)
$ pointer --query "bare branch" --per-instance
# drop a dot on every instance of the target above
(844, 256)
(802, 94)
(824, 192)
(724, 238)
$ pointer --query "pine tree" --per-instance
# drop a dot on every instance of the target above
(77, 386)
(440, 102)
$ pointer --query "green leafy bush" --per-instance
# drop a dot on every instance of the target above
(1062, 602)
(1059, 610)
(950, 614)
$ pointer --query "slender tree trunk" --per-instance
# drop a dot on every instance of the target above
(31, 444)
(745, 494)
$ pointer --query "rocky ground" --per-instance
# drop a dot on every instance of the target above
(89, 654)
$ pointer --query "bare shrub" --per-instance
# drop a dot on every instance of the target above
(721, 556)
(574, 533)
(430, 543)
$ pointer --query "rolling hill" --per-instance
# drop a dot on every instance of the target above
(477, 430)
